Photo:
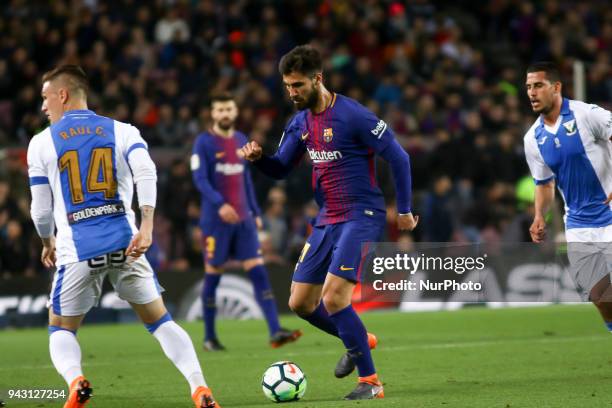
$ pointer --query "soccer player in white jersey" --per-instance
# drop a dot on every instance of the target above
(82, 171)
(569, 146)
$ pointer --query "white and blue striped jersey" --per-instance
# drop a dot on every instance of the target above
(577, 153)
(89, 163)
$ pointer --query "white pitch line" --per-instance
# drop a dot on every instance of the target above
(383, 349)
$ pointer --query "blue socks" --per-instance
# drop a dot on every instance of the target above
(265, 297)
(609, 326)
(151, 327)
(320, 318)
(209, 306)
(355, 338)
(53, 329)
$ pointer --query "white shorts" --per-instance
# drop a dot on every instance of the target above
(590, 255)
(77, 287)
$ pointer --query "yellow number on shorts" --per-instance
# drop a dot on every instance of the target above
(101, 159)
(210, 246)
(304, 251)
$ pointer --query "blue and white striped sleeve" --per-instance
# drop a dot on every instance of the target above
(541, 173)
(41, 207)
(600, 121)
(143, 168)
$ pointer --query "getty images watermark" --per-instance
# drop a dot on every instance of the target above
(468, 273)
(411, 264)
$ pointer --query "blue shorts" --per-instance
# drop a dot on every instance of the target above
(337, 249)
(223, 241)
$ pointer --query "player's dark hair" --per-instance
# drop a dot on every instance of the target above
(552, 72)
(75, 77)
(303, 59)
(223, 96)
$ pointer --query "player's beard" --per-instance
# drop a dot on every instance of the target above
(543, 110)
(225, 124)
(311, 100)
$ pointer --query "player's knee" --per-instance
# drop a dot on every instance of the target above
(301, 307)
(597, 297)
(602, 304)
(213, 270)
(333, 302)
(251, 263)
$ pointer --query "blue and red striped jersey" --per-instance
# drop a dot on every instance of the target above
(222, 177)
(341, 143)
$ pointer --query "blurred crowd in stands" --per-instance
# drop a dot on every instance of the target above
(446, 75)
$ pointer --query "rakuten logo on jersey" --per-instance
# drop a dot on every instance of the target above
(323, 156)
(229, 169)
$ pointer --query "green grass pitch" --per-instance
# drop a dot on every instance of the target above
(555, 356)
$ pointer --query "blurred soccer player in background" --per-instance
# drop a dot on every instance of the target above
(82, 171)
(341, 138)
(569, 145)
(230, 218)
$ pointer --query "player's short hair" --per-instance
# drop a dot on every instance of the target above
(303, 59)
(224, 96)
(552, 71)
(75, 78)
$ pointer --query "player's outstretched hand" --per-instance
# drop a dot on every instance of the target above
(251, 151)
(228, 214)
(48, 253)
(407, 222)
(538, 230)
(608, 199)
(140, 244)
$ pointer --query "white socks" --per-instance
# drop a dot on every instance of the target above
(178, 347)
(176, 343)
(65, 354)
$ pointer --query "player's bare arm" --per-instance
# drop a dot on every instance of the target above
(144, 237)
(544, 196)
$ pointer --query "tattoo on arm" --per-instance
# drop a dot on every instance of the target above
(147, 212)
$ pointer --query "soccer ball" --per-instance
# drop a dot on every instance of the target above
(284, 381)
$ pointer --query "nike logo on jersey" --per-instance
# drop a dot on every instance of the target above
(541, 142)
(344, 268)
(305, 136)
(219, 155)
(570, 127)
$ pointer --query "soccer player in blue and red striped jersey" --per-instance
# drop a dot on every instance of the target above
(341, 138)
(230, 219)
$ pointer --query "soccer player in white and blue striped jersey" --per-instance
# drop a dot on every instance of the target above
(82, 171)
(569, 146)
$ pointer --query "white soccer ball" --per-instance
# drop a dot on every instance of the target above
(284, 381)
